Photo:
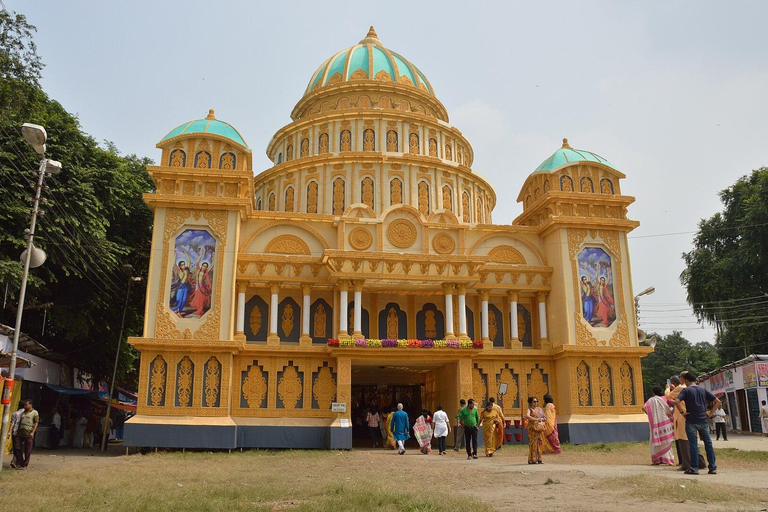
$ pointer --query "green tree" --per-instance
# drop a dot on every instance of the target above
(672, 355)
(93, 222)
(727, 271)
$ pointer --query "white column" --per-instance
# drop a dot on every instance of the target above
(462, 311)
(306, 290)
(484, 317)
(358, 314)
(343, 303)
(448, 289)
(542, 315)
(513, 316)
(273, 290)
(240, 327)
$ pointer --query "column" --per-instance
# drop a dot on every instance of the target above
(358, 314)
(544, 340)
(484, 319)
(514, 334)
(305, 339)
(343, 304)
(273, 339)
(240, 327)
(448, 290)
(463, 312)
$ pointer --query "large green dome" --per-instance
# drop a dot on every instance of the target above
(567, 155)
(370, 60)
(209, 125)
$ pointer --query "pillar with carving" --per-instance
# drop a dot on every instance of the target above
(344, 385)
(358, 314)
(240, 325)
(462, 289)
(484, 319)
(343, 304)
(273, 339)
(448, 291)
(544, 339)
(305, 340)
(514, 335)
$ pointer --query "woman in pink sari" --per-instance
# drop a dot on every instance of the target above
(422, 429)
(662, 428)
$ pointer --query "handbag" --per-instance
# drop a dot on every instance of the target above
(539, 426)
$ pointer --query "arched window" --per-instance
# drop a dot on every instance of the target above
(447, 198)
(289, 153)
(312, 197)
(369, 140)
(203, 160)
(448, 152)
(606, 186)
(366, 192)
(536, 193)
(465, 207)
(258, 204)
(345, 140)
(322, 144)
(279, 158)
(392, 140)
(566, 184)
(586, 185)
(424, 198)
(338, 196)
(304, 150)
(458, 155)
(271, 202)
(395, 191)
(178, 158)
(432, 147)
(227, 161)
(546, 186)
(479, 213)
(289, 199)
(413, 144)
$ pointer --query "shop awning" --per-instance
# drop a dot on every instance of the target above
(21, 362)
(95, 395)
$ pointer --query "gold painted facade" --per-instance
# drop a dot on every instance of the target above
(379, 207)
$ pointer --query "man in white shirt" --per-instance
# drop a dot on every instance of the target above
(764, 418)
(55, 435)
(719, 419)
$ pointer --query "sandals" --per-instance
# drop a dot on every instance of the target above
(691, 472)
(539, 461)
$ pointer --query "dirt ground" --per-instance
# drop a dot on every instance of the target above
(591, 477)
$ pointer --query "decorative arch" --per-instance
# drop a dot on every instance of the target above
(395, 191)
(423, 194)
(289, 153)
(604, 386)
(448, 152)
(465, 209)
(392, 144)
(627, 379)
(177, 158)
(312, 197)
(583, 384)
(606, 186)
(506, 254)
(360, 210)
(413, 144)
(586, 185)
(256, 319)
(185, 382)
(430, 323)
(289, 199)
(345, 140)
(300, 225)
(339, 196)
(393, 320)
(228, 161)
(530, 245)
(289, 320)
(271, 204)
(367, 191)
(432, 147)
(304, 148)
(546, 187)
(405, 208)
(566, 183)
(447, 198)
(365, 321)
(495, 326)
(320, 321)
(322, 144)
(287, 244)
(369, 140)
(443, 217)
(202, 160)
(279, 158)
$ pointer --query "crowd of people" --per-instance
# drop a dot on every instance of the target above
(80, 427)
(394, 428)
(680, 414)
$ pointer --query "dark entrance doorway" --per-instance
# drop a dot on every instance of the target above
(384, 398)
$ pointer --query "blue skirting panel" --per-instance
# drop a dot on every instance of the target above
(586, 433)
(180, 436)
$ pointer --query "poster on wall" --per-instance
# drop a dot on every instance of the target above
(728, 378)
(750, 375)
(598, 305)
(762, 375)
(192, 277)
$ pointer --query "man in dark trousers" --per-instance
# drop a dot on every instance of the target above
(469, 418)
(458, 431)
(695, 412)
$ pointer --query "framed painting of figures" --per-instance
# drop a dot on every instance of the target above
(598, 304)
(192, 276)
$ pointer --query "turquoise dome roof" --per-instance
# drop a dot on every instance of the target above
(567, 155)
(368, 59)
(209, 125)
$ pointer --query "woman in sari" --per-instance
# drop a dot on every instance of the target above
(491, 421)
(422, 429)
(387, 420)
(551, 436)
(536, 421)
(662, 428)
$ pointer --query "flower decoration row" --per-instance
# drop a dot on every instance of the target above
(362, 343)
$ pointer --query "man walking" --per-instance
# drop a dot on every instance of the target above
(469, 418)
(400, 427)
(26, 434)
(695, 412)
(458, 432)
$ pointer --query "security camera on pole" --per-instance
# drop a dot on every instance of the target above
(32, 257)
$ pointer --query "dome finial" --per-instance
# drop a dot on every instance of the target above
(371, 37)
(565, 143)
(211, 114)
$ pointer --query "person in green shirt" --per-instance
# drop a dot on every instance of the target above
(28, 423)
(468, 419)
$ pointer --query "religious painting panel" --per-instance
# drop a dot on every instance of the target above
(290, 387)
(393, 322)
(430, 323)
(185, 382)
(257, 319)
(192, 278)
(254, 386)
(495, 326)
(212, 383)
(289, 320)
(320, 321)
(598, 305)
(365, 320)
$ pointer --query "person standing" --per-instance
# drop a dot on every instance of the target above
(28, 423)
(78, 439)
(442, 428)
(458, 432)
(500, 412)
(536, 426)
(400, 427)
(468, 419)
(373, 419)
(662, 428)
(54, 437)
(719, 416)
(13, 432)
(422, 429)
(696, 398)
(764, 418)
(492, 425)
(681, 438)
(550, 426)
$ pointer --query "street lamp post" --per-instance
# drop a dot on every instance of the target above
(36, 136)
(641, 333)
(128, 270)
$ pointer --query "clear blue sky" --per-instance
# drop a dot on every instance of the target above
(672, 93)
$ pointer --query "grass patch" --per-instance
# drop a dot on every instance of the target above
(550, 481)
(658, 488)
(600, 447)
(734, 454)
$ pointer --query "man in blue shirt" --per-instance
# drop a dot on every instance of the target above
(400, 427)
(696, 399)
